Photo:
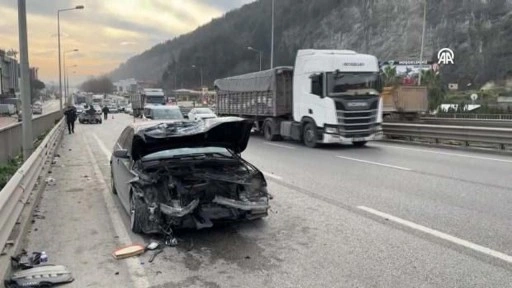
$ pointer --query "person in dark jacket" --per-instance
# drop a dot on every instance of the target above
(105, 112)
(71, 116)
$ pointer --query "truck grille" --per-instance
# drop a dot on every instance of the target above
(357, 117)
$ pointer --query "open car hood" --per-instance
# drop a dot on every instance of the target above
(229, 132)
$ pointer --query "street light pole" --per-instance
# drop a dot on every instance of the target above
(58, 37)
(422, 40)
(66, 52)
(272, 38)
(25, 81)
(201, 72)
(258, 51)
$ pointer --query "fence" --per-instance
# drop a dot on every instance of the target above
(11, 136)
(466, 134)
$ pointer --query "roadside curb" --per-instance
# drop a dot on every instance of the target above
(23, 221)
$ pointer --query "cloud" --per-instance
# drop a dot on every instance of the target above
(126, 43)
(106, 32)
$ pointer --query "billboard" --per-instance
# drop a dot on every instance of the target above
(408, 70)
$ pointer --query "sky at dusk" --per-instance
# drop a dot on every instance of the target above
(106, 32)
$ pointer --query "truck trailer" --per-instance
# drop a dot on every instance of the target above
(329, 96)
(404, 102)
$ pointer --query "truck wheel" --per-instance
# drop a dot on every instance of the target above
(310, 135)
(268, 132)
(359, 143)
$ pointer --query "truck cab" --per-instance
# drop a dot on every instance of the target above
(336, 97)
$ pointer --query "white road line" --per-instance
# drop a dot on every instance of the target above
(375, 163)
(103, 148)
(137, 273)
(272, 175)
(447, 153)
(279, 145)
(441, 235)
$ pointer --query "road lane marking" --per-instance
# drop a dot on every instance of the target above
(447, 153)
(103, 148)
(441, 235)
(280, 145)
(272, 175)
(137, 273)
(375, 163)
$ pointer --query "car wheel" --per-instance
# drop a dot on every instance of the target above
(359, 143)
(135, 214)
(310, 135)
(112, 183)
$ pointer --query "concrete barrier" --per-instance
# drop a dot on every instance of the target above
(11, 135)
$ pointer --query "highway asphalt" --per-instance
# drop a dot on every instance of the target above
(388, 215)
(48, 107)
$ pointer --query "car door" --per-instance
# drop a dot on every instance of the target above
(122, 168)
(192, 115)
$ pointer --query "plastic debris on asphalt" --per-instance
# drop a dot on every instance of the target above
(50, 181)
(128, 251)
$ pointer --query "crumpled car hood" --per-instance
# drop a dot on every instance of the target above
(229, 132)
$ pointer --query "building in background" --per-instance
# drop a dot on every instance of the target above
(126, 86)
(33, 73)
(9, 74)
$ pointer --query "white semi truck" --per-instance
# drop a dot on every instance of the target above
(147, 96)
(330, 96)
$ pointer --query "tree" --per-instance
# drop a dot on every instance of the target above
(436, 93)
(36, 86)
(389, 75)
(101, 85)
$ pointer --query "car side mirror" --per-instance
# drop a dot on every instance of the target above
(121, 153)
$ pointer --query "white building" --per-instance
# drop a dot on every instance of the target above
(126, 86)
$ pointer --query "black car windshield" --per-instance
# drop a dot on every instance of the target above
(352, 83)
(163, 114)
(155, 99)
(181, 152)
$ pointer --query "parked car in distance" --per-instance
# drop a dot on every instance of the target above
(128, 109)
(79, 109)
(201, 114)
(112, 109)
(37, 108)
(163, 113)
(97, 108)
(186, 174)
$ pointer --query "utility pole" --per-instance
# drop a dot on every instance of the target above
(272, 40)
(25, 82)
(422, 40)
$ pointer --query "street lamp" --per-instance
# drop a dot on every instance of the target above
(201, 71)
(66, 52)
(258, 51)
(66, 80)
(79, 7)
(272, 38)
(422, 40)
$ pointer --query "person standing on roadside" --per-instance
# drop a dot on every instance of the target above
(105, 112)
(71, 116)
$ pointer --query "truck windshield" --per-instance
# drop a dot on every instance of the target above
(155, 99)
(352, 83)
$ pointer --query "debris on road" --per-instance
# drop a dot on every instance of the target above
(154, 255)
(50, 181)
(153, 245)
(128, 251)
(47, 275)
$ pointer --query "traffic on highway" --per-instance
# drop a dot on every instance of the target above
(282, 144)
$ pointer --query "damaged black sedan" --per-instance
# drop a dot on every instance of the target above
(187, 174)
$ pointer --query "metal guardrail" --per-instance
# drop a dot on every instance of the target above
(11, 135)
(471, 116)
(466, 134)
(466, 122)
(14, 196)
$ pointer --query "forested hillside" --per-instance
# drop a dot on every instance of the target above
(479, 32)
